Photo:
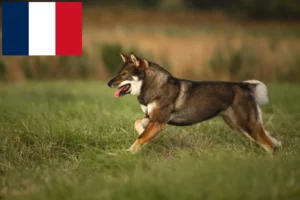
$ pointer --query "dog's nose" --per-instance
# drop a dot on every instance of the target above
(109, 83)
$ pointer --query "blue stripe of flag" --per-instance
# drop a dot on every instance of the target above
(15, 28)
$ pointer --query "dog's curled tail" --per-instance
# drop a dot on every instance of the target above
(259, 90)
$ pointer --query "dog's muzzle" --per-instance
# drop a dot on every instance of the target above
(111, 84)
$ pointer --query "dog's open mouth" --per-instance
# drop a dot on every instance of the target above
(122, 90)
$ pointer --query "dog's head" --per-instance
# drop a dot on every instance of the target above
(129, 79)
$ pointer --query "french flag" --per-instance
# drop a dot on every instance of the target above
(42, 28)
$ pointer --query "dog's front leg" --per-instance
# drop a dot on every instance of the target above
(158, 115)
(141, 124)
(152, 130)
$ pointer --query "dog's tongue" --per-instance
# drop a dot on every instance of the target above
(117, 93)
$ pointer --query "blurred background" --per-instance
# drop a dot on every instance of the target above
(194, 39)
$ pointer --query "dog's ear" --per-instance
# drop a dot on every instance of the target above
(124, 57)
(135, 60)
(139, 63)
(145, 63)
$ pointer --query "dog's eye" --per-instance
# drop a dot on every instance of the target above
(124, 74)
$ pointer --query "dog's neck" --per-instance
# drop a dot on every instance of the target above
(154, 80)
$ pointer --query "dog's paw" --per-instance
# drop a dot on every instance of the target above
(124, 150)
(135, 147)
(277, 147)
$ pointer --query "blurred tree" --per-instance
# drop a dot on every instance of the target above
(257, 9)
(172, 5)
(277, 9)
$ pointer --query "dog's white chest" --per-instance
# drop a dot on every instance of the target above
(144, 108)
(149, 108)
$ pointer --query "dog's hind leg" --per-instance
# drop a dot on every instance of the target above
(231, 123)
(267, 141)
(264, 134)
(141, 124)
(245, 116)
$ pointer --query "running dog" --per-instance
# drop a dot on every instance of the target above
(168, 100)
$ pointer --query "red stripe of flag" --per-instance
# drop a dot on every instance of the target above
(68, 28)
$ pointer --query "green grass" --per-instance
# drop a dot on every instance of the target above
(66, 140)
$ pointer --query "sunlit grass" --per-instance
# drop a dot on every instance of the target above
(67, 140)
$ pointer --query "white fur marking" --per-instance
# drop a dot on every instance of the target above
(151, 106)
(139, 127)
(260, 91)
(135, 147)
(276, 142)
(135, 85)
(144, 108)
(259, 115)
(141, 124)
(182, 95)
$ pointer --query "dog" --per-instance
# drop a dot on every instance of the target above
(166, 99)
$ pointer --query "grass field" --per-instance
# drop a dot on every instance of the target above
(66, 140)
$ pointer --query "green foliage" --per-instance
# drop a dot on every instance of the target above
(292, 72)
(110, 54)
(134, 50)
(165, 63)
(75, 67)
(43, 67)
(229, 61)
(238, 64)
(81, 65)
(235, 63)
(171, 5)
(3, 70)
(256, 9)
(149, 3)
(67, 140)
(85, 66)
(62, 67)
(27, 69)
(217, 61)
